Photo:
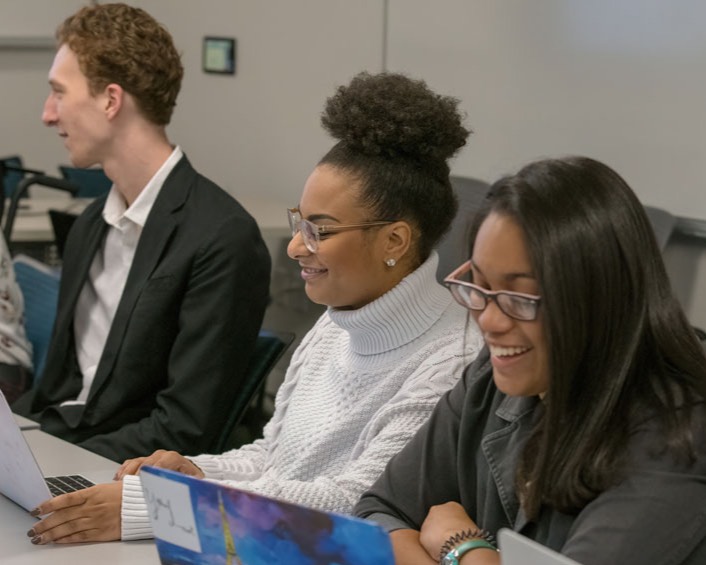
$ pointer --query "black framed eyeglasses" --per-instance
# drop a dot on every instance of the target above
(311, 232)
(517, 305)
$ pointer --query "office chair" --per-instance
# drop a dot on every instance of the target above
(701, 334)
(663, 224)
(91, 183)
(12, 172)
(453, 248)
(21, 190)
(61, 223)
(40, 288)
(269, 348)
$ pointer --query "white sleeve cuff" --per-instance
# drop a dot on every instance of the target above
(210, 466)
(134, 517)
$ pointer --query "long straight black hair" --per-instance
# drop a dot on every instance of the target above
(620, 346)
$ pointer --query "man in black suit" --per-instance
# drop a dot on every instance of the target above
(165, 280)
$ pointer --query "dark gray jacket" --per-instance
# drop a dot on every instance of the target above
(468, 450)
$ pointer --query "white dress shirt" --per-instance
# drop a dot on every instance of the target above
(103, 289)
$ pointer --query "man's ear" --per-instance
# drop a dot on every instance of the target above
(114, 98)
(398, 240)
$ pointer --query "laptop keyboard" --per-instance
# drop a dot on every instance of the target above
(69, 483)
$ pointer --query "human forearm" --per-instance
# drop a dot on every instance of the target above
(243, 464)
(408, 550)
(324, 493)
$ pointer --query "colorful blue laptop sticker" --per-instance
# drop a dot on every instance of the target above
(202, 522)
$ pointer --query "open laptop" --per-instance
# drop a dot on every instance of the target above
(199, 521)
(21, 479)
(516, 549)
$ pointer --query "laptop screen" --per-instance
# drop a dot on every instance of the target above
(199, 521)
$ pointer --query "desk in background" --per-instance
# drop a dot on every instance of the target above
(32, 221)
(32, 232)
(57, 457)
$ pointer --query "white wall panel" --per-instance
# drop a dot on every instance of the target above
(622, 81)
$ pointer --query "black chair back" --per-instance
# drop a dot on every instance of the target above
(61, 223)
(454, 247)
(269, 347)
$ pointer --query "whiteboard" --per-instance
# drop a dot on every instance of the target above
(623, 81)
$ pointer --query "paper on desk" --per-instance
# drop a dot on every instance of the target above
(172, 513)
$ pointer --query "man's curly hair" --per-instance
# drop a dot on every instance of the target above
(121, 44)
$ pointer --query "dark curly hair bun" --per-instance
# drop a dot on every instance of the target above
(391, 115)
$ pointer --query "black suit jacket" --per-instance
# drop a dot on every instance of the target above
(182, 334)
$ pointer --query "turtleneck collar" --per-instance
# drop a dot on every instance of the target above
(399, 316)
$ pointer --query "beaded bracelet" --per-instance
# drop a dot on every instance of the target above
(458, 537)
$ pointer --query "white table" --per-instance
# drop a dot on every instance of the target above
(32, 221)
(26, 423)
(57, 457)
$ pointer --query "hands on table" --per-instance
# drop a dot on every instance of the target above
(162, 459)
(93, 514)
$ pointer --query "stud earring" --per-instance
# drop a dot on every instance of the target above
(391, 262)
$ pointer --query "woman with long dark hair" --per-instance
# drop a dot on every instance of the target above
(582, 425)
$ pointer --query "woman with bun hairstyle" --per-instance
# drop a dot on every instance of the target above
(391, 342)
(582, 425)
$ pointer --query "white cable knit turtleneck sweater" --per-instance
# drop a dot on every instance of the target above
(357, 389)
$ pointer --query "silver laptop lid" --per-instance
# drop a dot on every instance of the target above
(21, 479)
(516, 549)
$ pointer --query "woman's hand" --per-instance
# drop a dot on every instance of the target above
(408, 550)
(442, 522)
(160, 458)
(91, 514)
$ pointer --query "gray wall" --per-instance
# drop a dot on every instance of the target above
(257, 133)
(621, 81)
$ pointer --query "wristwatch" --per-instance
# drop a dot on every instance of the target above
(452, 557)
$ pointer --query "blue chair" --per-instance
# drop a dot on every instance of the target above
(91, 183)
(40, 286)
(269, 348)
